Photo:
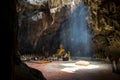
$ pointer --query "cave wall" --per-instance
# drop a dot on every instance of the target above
(105, 22)
(42, 35)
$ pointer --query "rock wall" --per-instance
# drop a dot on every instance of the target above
(40, 35)
(104, 21)
(39, 32)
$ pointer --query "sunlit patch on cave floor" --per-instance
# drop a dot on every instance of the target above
(79, 65)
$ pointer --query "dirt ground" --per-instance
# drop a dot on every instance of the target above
(68, 70)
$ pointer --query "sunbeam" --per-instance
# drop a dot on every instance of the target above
(77, 39)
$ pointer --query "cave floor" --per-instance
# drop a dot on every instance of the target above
(67, 70)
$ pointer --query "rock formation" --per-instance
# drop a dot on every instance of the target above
(40, 24)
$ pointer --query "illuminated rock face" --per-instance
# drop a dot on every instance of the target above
(104, 25)
(40, 33)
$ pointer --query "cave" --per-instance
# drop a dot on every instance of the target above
(64, 39)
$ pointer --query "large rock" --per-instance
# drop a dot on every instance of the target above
(23, 72)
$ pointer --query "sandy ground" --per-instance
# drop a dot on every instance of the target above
(67, 70)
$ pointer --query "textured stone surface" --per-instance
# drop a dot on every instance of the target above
(42, 36)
